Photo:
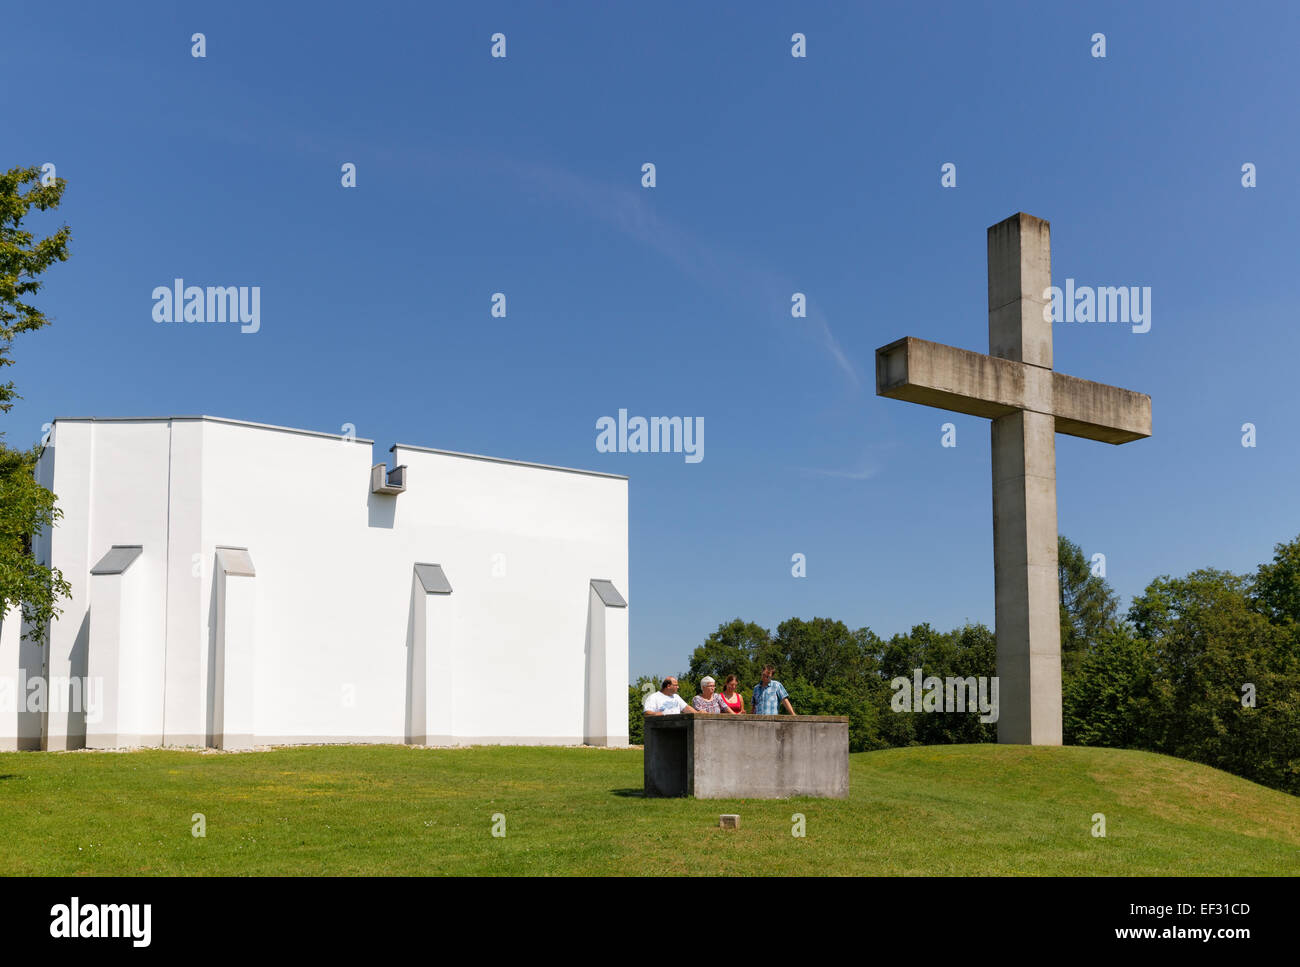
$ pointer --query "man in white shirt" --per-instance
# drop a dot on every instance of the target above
(666, 701)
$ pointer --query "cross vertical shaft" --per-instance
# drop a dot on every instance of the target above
(1027, 404)
(1024, 489)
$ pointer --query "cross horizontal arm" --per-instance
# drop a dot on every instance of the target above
(1096, 411)
(932, 374)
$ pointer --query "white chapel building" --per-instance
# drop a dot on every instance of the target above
(237, 584)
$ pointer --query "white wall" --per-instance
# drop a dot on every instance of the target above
(298, 504)
(20, 661)
(111, 482)
(332, 593)
(521, 661)
(189, 585)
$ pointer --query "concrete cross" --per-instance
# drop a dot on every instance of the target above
(1015, 387)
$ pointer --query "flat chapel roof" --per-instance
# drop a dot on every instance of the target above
(332, 436)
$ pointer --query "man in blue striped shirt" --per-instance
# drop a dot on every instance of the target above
(770, 695)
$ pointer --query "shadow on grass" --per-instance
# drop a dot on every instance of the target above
(629, 793)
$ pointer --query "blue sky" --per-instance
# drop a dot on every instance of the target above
(774, 175)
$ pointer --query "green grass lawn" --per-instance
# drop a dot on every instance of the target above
(965, 810)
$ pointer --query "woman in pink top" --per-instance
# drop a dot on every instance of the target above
(732, 700)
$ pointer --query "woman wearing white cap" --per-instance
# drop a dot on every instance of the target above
(707, 702)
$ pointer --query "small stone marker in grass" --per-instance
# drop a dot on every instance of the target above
(729, 821)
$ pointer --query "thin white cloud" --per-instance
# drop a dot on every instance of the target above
(624, 207)
(863, 473)
(628, 210)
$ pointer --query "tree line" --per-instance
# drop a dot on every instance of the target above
(1204, 667)
(26, 508)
